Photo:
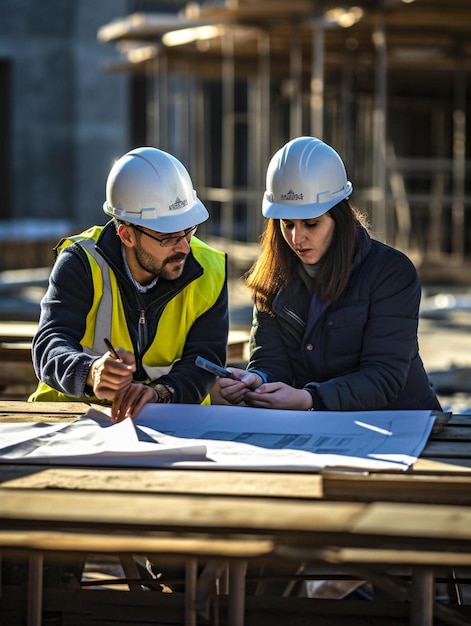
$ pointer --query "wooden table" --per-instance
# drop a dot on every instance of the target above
(364, 523)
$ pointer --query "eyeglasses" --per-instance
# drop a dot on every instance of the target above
(166, 242)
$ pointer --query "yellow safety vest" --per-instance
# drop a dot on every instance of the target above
(106, 317)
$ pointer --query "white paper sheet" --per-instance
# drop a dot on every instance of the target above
(91, 440)
(225, 437)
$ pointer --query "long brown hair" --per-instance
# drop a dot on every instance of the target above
(277, 262)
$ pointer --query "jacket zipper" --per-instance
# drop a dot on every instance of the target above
(142, 332)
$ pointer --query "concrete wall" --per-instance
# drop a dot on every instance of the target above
(69, 118)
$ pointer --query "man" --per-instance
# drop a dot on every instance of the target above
(144, 281)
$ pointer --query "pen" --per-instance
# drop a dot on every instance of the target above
(113, 352)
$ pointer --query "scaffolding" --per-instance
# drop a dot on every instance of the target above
(383, 81)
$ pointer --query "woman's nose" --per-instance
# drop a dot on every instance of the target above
(297, 235)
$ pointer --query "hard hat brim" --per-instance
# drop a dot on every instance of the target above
(172, 223)
(297, 211)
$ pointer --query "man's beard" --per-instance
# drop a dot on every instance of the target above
(163, 269)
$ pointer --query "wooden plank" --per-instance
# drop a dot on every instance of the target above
(96, 542)
(369, 487)
(14, 410)
(47, 509)
(442, 466)
(17, 331)
(441, 420)
(447, 448)
(170, 481)
(461, 420)
(15, 352)
(418, 521)
(45, 408)
(304, 523)
(455, 432)
(381, 556)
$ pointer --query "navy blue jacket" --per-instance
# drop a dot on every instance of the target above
(360, 354)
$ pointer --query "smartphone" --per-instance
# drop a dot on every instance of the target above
(217, 370)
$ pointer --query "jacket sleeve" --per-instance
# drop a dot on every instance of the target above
(57, 355)
(269, 355)
(207, 338)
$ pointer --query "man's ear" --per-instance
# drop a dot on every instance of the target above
(126, 234)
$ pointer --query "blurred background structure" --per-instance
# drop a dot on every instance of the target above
(225, 84)
(222, 84)
(62, 122)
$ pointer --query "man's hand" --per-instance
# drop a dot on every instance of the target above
(131, 401)
(109, 377)
(112, 380)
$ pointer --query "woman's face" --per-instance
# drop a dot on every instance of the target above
(309, 239)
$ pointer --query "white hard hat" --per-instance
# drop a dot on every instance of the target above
(152, 188)
(305, 179)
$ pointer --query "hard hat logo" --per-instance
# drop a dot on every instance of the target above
(291, 196)
(149, 187)
(178, 204)
(309, 164)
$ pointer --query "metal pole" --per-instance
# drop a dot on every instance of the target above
(255, 226)
(317, 79)
(459, 163)
(422, 597)
(228, 144)
(296, 64)
(236, 605)
(379, 128)
(191, 574)
(35, 590)
(161, 135)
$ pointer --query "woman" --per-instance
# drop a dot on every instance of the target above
(336, 312)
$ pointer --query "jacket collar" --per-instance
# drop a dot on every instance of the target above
(109, 246)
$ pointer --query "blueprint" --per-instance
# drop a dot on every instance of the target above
(224, 437)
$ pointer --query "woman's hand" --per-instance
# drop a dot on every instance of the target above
(279, 396)
(234, 390)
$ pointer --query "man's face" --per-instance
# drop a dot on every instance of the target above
(148, 259)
